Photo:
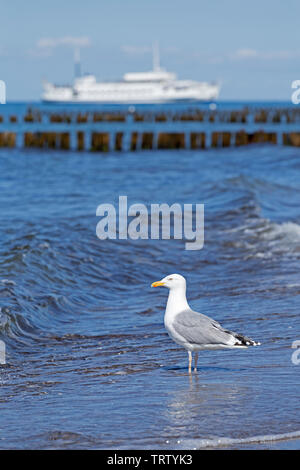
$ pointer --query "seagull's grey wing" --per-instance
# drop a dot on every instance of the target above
(199, 329)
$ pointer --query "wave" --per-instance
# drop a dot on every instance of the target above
(228, 442)
(290, 231)
(263, 238)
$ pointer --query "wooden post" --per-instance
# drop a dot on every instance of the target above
(147, 141)
(80, 140)
(100, 142)
(28, 139)
(64, 139)
(171, 141)
(295, 139)
(241, 138)
(226, 139)
(133, 143)
(51, 140)
(215, 139)
(119, 141)
(161, 117)
(10, 139)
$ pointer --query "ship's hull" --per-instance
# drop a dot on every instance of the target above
(129, 93)
(132, 102)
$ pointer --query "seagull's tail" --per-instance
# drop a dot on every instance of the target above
(243, 341)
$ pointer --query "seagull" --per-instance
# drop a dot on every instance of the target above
(192, 330)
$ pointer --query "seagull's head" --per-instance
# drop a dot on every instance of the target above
(173, 281)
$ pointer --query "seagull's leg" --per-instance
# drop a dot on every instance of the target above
(195, 361)
(190, 361)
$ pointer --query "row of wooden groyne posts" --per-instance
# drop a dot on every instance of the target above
(245, 115)
(32, 129)
(105, 142)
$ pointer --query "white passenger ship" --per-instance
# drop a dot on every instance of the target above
(156, 86)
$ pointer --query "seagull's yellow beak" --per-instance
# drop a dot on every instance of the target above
(157, 284)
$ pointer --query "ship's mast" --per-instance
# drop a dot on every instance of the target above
(77, 66)
(156, 61)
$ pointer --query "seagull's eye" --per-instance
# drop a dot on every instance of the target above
(170, 279)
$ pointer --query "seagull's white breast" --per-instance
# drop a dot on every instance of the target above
(168, 320)
(176, 303)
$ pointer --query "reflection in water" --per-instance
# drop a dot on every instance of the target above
(200, 404)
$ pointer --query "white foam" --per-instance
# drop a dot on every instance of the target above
(291, 230)
(8, 282)
(269, 239)
(227, 441)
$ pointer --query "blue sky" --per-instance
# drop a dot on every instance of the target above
(252, 46)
